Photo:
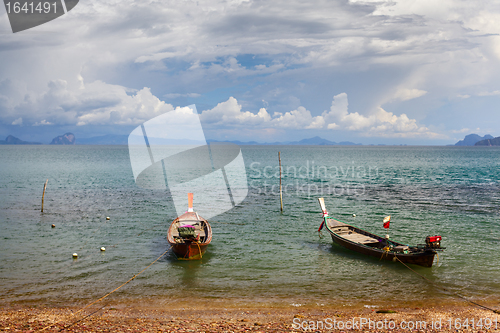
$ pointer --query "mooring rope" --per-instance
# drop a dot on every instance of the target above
(103, 297)
(448, 291)
(79, 320)
(386, 252)
(199, 250)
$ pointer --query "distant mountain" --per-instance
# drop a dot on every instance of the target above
(65, 139)
(240, 143)
(112, 139)
(316, 141)
(109, 139)
(12, 140)
(489, 142)
(471, 139)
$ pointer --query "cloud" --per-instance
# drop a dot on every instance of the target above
(95, 103)
(407, 94)
(18, 121)
(279, 51)
(463, 130)
(229, 113)
(99, 103)
(489, 93)
(468, 130)
(297, 119)
(42, 123)
(122, 109)
(174, 95)
(378, 124)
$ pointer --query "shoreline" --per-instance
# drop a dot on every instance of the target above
(232, 302)
(202, 315)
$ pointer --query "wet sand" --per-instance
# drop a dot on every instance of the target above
(222, 316)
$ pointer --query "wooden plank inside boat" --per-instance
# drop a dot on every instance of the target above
(358, 238)
(332, 223)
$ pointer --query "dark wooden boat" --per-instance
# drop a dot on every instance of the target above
(189, 234)
(364, 242)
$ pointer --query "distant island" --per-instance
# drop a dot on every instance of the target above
(472, 139)
(65, 139)
(111, 139)
(489, 142)
(12, 140)
(114, 139)
(316, 141)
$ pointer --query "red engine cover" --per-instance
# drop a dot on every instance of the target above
(433, 239)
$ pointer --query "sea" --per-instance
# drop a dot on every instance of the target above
(258, 253)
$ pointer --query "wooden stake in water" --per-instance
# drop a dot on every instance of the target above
(43, 195)
(281, 193)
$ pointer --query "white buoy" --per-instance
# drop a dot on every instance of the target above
(103, 248)
(386, 236)
(107, 218)
(353, 215)
(75, 255)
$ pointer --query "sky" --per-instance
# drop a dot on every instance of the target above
(372, 72)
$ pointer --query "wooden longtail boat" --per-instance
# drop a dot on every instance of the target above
(189, 234)
(370, 244)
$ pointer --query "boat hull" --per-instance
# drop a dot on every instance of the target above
(191, 251)
(424, 259)
(366, 243)
(190, 248)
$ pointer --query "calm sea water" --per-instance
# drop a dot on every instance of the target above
(256, 253)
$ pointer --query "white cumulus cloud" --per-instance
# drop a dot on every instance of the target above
(229, 113)
(298, 119)
(95, 103)
(379, 123)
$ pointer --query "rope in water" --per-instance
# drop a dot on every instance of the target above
(103, 297)
(443, 288)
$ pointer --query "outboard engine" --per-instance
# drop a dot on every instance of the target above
(433, 242)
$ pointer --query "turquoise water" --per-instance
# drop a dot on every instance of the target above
(256, 253)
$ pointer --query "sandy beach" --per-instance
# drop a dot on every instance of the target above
(221, 316)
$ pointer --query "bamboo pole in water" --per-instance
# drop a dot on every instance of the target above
(281, 193)
(43, 195)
